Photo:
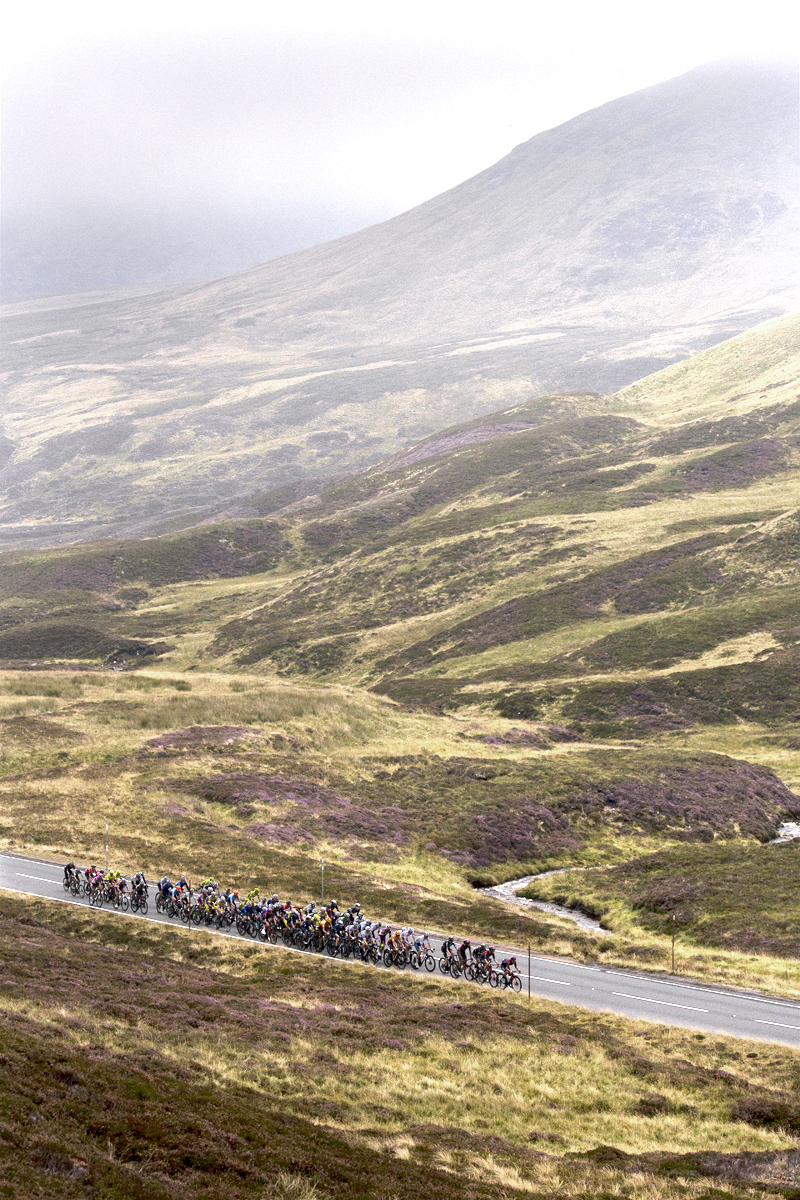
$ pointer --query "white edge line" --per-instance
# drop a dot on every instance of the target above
(668, 1003)
(779, 1024)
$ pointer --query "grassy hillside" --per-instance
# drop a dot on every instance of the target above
(564, 635)
(159, 1063)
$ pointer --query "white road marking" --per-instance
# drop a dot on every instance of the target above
(666, 981)
(544, 979)
(668, 1003)
(39, 877)
(778, 1023)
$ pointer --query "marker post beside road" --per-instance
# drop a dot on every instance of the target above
(106, 847)
(529, 972)
(674, 918)
(322, 897)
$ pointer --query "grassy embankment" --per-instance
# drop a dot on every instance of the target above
(139, 1061)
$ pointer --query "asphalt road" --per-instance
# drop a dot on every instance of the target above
(634, 994)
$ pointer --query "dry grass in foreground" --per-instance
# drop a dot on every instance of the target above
(144, 1063)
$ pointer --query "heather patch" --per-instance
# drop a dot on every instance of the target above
(701, 798)
(33, 729)
(735, 466)
(637, 584)
(62, 640)
(766, 689)
(199, 738)
(279, 1070)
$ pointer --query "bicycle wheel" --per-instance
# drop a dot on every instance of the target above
(429, 962)
(469, 973)
(444, 966)
(65, 883)
(516, 983)
(494, 978)
(143, 905)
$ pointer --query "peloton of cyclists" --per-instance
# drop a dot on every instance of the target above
(320, 924)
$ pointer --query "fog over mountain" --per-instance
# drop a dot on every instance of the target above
(591, 255)
(677, 204)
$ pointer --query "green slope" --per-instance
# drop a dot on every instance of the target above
(579, 597)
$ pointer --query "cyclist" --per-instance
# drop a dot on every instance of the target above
(139, 884)
(508, 966)
(465, 952)
(448, 948)
(422, 944)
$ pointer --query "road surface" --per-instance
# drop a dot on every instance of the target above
(634, 994)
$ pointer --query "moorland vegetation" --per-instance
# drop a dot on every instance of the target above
(140, 1062)
(564, 637)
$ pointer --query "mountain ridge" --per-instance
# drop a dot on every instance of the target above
(129, 414)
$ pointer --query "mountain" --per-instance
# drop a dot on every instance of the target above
(626, 239)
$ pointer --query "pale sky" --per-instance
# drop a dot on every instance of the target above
(179, 141)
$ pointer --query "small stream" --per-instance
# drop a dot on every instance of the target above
(787, 831)
(508, 892)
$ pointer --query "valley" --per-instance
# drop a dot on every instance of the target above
(459, 551)
(560, 636)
